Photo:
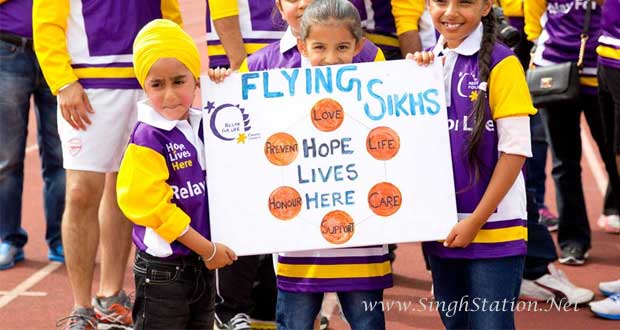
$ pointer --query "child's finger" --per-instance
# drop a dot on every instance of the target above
(231, 254)
(409, 56)
(450, 239)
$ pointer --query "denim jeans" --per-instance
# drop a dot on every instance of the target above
(173, 293)
(478, 293)
(21, 78)
(540, 246)
(297, 310)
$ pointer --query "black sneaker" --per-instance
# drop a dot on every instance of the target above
(240, 321)
(573, 254)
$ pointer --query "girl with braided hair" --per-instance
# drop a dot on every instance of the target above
(477, 269)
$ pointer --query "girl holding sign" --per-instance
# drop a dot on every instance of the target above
(329, 32)
(478, 267)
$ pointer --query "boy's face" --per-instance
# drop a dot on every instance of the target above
(170, 87)
(329, 44)
(291, 11)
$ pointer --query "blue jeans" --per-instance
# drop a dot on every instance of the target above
(21, 78)
(297, 311)
(173, 293)
(478, 293)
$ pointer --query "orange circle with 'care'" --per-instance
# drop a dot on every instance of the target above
(327, 115)
(382, 143)
(337, 227)
(284, 203)
(281, 149)
(384, 199)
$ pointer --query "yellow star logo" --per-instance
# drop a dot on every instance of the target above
(241, 138)
(473, 96)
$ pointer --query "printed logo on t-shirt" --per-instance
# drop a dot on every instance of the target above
(179, 156)
(75, 146)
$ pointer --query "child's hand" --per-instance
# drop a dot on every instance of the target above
(422, 58)
(462, 233)
(224, 256)
(219, 74)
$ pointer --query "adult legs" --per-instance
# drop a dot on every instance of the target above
(115, 239)
(50, 152)
(80, 231)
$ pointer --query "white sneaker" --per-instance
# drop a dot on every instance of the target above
(558, 284)
(609, 288)
(530, 291)
(608, 308)
(613, 224)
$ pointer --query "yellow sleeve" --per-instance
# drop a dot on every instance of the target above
(509, 95)
(512, 8)
(223, 8)
(379, 57)
(244, 66)
(144, 196)
(49, 24)
(533, 10)
(170, 10)
(406, 14)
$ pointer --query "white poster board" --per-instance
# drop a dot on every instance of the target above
(326, 157)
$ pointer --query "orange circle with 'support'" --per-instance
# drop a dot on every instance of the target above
(284, 203)
(384, 199)
(382, 143)
(337, 227)
(327, 115)
(281, 149)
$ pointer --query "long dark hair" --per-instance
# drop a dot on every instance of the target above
(477, 117)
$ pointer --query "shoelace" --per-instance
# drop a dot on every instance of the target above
(559, 274)
(240, 320)
(68, 322)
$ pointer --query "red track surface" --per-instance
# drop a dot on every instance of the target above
(49, 298)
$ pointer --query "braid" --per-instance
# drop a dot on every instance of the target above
(479, 109)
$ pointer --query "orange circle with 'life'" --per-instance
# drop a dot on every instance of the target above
(281, 149)
(284, 203)
(384, 199)
(337, 227)
(327, 115)
(382, 143)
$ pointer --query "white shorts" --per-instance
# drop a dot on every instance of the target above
(101, 147)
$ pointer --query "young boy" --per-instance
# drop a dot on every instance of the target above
(161, 187)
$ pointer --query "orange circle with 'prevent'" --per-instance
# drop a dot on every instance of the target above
(337, 227)
(382, 143)
(384, 199)
(281, 149)
(327, 115)
(284, 203)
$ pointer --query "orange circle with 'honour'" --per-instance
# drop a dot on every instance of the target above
(284, 203)
(382, 143)
(327, 115)
(337, 227)
(384, 199)
(281, 149)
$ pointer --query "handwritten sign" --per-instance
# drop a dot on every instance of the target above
(326, 157)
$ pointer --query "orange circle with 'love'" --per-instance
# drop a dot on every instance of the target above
(337, 227)
(382, 143)
(327, 115)
(284, 203)
(384, 199)
(281, 149)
